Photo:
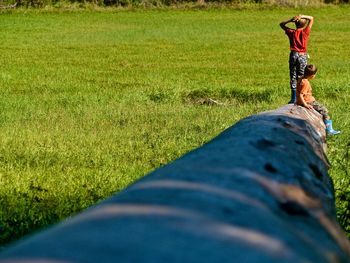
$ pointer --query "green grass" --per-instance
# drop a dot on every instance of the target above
(92, 101)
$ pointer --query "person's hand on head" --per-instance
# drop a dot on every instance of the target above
(297, 18)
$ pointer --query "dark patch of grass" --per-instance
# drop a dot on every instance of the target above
(230, 96)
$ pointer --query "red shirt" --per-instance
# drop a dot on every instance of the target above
(298, 38)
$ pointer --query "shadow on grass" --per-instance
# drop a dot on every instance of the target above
(204, 96)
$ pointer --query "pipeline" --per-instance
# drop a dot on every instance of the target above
(258, 192)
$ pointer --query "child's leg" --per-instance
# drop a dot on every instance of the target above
(301, 64)
(327, 121)
(321, 109)
(293, 59)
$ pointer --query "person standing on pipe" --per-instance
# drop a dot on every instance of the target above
(298, 39)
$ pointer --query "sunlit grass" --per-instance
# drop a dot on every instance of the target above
(92, 101)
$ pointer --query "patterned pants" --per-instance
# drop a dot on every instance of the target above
(297, 64)
(321, 109)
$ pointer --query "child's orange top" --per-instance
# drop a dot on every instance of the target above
(304, 89)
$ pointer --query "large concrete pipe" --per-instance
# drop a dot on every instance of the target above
(259, 192)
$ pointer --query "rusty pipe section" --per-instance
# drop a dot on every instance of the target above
(258, 192)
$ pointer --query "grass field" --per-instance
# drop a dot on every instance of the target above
(92, 101)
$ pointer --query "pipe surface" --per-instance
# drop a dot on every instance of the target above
(258, 192)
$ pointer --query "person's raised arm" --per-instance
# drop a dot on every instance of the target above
(310, 20)
(284, 23)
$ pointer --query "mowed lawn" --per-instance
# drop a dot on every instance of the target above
(92, 101)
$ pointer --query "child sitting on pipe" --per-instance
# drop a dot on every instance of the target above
(305, 98)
